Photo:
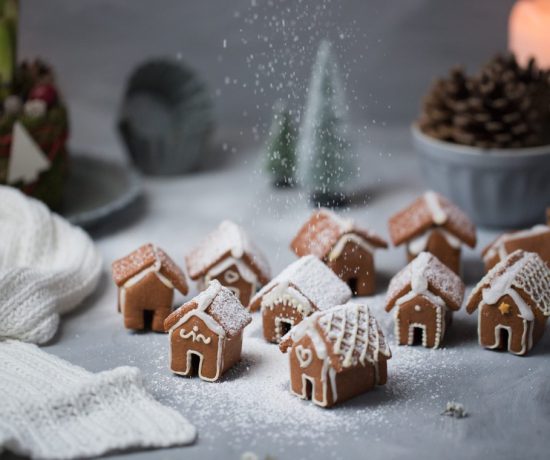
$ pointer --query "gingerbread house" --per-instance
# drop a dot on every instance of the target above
(206, 333)
(347, 249)
(304, 287)
(536, 239)
(336, 354)
(229, 256)
(424, 294)
(513, 301)
(146, 280)
(433, 224)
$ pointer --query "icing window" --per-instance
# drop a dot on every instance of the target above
(231, 276)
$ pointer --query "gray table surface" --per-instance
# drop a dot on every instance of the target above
(251, 409)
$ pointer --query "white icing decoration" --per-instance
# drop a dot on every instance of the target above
(417, 245)
(304, 355)
(243, 270)
(231, 276)
(195, 335)
(283, 294)
(499, 246)
(349, 238)
(439, 216)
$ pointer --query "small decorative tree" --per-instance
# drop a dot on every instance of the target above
(324, 150)
(281, 149)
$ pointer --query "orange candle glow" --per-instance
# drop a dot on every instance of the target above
(529, 31)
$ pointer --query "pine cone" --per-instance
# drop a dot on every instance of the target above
(504, 106)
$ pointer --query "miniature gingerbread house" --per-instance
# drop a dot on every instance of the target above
(336, 354)
(146, 280)
(433, 224)
(536, 239)
(425, 293)
(513, 300)
(347, 249)
(206, 333)
(229, 256)
(304, 287)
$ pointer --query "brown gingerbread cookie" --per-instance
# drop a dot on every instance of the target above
(433, 224)
(229, 256)
(336, 354)
(304, 287)
(206, 333)
(146, 280)
(513, 301)
(536, 239)
(425, 294)
(347, 249)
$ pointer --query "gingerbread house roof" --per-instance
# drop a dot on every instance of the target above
(217, 306)
(523, 271)
(312, 279)
(347, 335)
(429, 210)
(145, 257)
(506, 243)
(323, 230)
(426, 274)
(228, 240)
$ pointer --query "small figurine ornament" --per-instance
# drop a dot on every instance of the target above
(304, 287)
(513, 301)
(336, 354)
(345, 247)
(433, 224)
(425, 294)
(146, 280)
(206, 333)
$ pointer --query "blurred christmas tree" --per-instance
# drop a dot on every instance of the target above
(324, 150)
(281, 153)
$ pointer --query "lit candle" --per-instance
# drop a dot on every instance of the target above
(529, 31)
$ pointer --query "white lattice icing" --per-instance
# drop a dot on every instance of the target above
(313, 280)
(354, 334)
(528, 273)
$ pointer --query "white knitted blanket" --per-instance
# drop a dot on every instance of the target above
(47, 267)
(52, 409)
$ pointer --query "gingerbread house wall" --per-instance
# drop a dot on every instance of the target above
(509, 331)
(420, 313)
(148, 294)
(232, 279)
(307, 373)
(438, 245)
(201, 342)
(273, 317)
(355, 266)
(538, 243)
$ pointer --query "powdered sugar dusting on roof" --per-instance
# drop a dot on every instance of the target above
(427, 272)
(314, 280)
(228, 238)
(520, 270)
(229, 312)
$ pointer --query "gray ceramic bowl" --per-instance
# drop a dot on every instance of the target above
(497, 188)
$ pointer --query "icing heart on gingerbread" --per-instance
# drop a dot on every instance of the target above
(304, 356)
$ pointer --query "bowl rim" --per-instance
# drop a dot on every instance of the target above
(469, 151)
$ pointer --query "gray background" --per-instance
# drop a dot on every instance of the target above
(392, 50)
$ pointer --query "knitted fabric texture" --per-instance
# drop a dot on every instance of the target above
(47, 267)
(53, 409)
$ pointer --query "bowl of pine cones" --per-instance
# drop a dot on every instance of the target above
(484, 141)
